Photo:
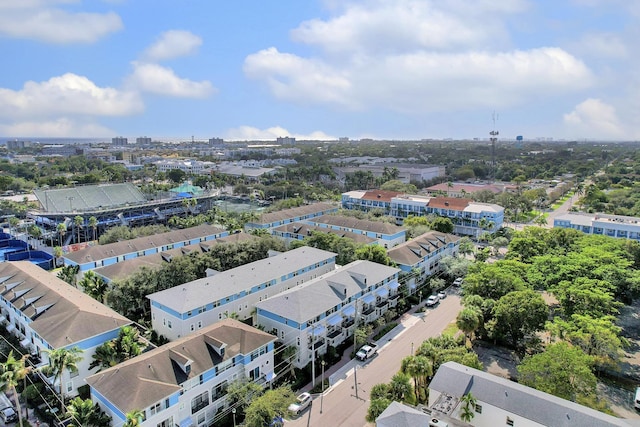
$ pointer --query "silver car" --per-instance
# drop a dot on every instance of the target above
(301, 403)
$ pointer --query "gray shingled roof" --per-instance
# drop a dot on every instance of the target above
(124, 269)
(412, 251)
(299, 228)
(60, 313)
(96, 253)
(399, 415)
(154, 376)
(192, 295)
(357, 224)
(543, 408)
(285, 214)
(316, 296)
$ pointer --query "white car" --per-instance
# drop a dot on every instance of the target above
(442, 295)
(432, 300)
(458, 281)
(301, 403)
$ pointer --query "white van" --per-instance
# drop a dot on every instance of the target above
(636, 401)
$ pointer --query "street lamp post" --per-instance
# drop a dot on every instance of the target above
(233, 411)
(322, 395)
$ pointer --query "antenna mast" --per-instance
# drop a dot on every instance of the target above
(494, 137)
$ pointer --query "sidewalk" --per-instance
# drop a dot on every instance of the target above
(344, 368)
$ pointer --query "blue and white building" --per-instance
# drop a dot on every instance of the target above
(45, 313)
(385, 234)
(184, 383)
(270, 220)
(112, 253)
(618, 226)
(189, 307)
(323, 311)
(423, 254)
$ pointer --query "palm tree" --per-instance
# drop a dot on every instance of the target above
(104, 357)
(81, 411)
(468, 321)
(34, 231)
(94, 286)
(288, 354)
(12, 372)
(134, 418)
(13, 225)
(57, 253)
(62, 230)
(78, 221)
(418, 367)
(468, 407)
(93, 223)
(61, 360)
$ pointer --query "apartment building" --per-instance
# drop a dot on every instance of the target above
(618, 226)
(302, 213)
(184, 383)
(45, 313)
(323, 312)
(189, 307)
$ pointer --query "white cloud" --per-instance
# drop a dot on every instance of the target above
(248, 133)
(594, 118)
(407, 25)
(423, 81)
(37, 20)
(161, 80)
(67, 94)
(62, 127)
(172, 44)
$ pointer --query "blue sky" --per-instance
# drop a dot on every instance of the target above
(320, 69)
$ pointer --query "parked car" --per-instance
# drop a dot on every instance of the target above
(301, 403)
(7, 412)
(367, 351)
(432, 300)
(458, 281)
(442, 295)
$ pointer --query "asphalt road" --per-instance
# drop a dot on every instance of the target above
(340, 406)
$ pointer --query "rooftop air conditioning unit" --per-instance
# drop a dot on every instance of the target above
(434, 422)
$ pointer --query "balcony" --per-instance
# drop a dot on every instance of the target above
(368, 310)
(381, 303)
(316, 345)
(334, 333)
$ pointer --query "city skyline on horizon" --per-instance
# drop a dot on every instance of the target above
(321, 70)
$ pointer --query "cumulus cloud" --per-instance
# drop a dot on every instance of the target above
(407, 25)
(67, 94)
(61, 127)
(161, 80)
(172, 44)
(423, 81)
(603, 45)
(594, 118)
(38, 20)
(248, 133)
(417, 56)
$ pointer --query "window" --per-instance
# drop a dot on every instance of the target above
(166, 423)
(509, 421)
(193, 327)
(199, 324)
(169, 324)
(154, 409)
(478, 408)
(199, 402)
(201, 418)
(69, 386)
(164, 321)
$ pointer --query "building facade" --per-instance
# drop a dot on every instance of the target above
(323, 312)
(469, 218)
(46, 314)
(618, 226)
(286, 216)
(422, 255)
(187, 308)
(184, 383)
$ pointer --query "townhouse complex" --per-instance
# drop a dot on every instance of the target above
(183, 309)
(184, 383)
(469, 218)
(619, 226)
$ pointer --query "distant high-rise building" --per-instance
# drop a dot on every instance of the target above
(18, 145)
(143, 140)
(119, 140)
(216, 141)
(286, 140)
